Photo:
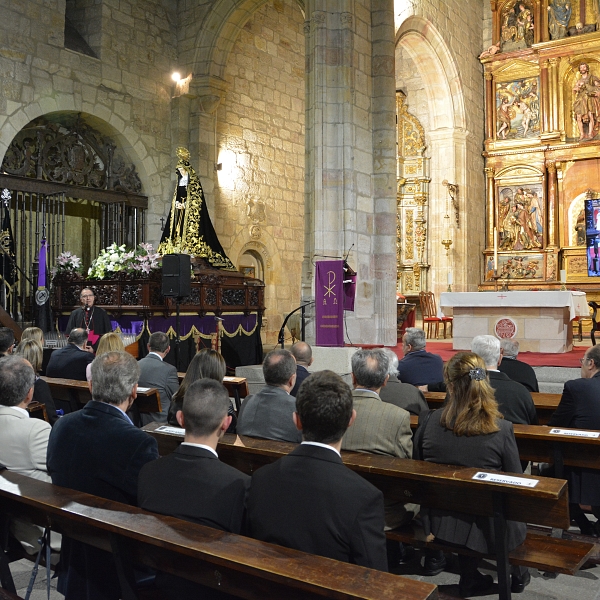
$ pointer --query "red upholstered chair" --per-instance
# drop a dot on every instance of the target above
(430, 316)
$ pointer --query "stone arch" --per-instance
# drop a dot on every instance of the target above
(219, 32)
(105, 121)
(448, 141)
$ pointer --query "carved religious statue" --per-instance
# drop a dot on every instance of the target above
(559, 14)
(586, 102)
(189, 229)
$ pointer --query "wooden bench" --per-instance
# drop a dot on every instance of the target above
(545, 404)
(233, 564)
(443, 487)
(74, 394)
(537, 444)
(237, 388)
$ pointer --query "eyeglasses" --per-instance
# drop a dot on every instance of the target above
(584, 360)
(86, 296)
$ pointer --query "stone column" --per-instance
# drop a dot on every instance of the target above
(350, 155)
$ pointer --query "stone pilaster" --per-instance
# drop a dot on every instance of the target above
(350, 150)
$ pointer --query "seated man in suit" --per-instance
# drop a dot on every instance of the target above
(419, 367)
(517, 370)
(380, 428)
(71, 361)
(401, 394)
(192, 483)
(580, 408)
(310, 501)
(24, 440)
(7, 341)
(302, 352)
(156, 373)
(514, 400)
(98, 450)
(268, 414)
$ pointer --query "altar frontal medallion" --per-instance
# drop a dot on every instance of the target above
(505, 328)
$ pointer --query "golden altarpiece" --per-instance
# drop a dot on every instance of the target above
(412, 202)
(542, 146)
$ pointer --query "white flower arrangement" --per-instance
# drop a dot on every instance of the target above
(117, 259)
(66, 264)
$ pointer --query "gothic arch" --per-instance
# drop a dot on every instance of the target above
(106, 122)
(449, 141)
(438, 71)
(219, 32)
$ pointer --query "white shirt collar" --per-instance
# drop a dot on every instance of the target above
(320, 445)
(23, 410)
(204, 446)
(155, 354)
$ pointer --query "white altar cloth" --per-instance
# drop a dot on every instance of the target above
(540, 321)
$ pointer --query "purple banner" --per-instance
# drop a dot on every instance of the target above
(329, 302)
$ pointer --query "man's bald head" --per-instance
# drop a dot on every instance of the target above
(302, 352)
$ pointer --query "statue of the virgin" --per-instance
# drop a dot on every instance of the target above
(189, 229)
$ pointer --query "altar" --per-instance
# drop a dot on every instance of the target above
(539, 320)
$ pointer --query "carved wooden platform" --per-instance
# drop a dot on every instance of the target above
(213, 291)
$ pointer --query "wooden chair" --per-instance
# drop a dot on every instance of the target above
(430, 316)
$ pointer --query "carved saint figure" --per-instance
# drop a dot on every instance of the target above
(189, 229)
(505, 115)
(517, 29)
(586, 100)
(559, 14)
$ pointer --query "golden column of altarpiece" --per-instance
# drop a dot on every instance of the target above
(542, 146)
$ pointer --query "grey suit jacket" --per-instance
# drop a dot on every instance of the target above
(268, 415)
(404, 395)
(161, 375)
(380, 428)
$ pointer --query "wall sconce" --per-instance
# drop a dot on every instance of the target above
(176, 76)
(453, 193)
(218, 166)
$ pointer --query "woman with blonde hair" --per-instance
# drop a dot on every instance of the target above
(207, 363)
(31, 350)
(33, 333)
(109, 342)
(469, 431)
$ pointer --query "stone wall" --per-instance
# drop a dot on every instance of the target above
(259, 193)
(125, 92)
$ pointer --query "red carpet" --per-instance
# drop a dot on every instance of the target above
(535, 359)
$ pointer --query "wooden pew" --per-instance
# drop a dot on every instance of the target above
(545, 404)
(237, 388)
(230, 563)
(537, 444)
(37, 410)
(76, 393)
(444, 487)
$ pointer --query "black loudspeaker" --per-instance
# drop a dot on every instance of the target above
(176, 275)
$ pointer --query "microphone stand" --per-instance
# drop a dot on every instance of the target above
(281, 336)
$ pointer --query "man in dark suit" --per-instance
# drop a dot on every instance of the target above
(517, 370)
(419, 367)
(70, 362)
(302, 352)
(310, 501)
(7, 341)
(268, 414)
(156, 373)
(99, 451)
(579, 407)
(514, 400)
(401, 394)
(192, 483)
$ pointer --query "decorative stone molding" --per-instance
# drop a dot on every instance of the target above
(209, 91)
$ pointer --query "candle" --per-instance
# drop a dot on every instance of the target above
(563, 276)
(495, 248)
(449, 277)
